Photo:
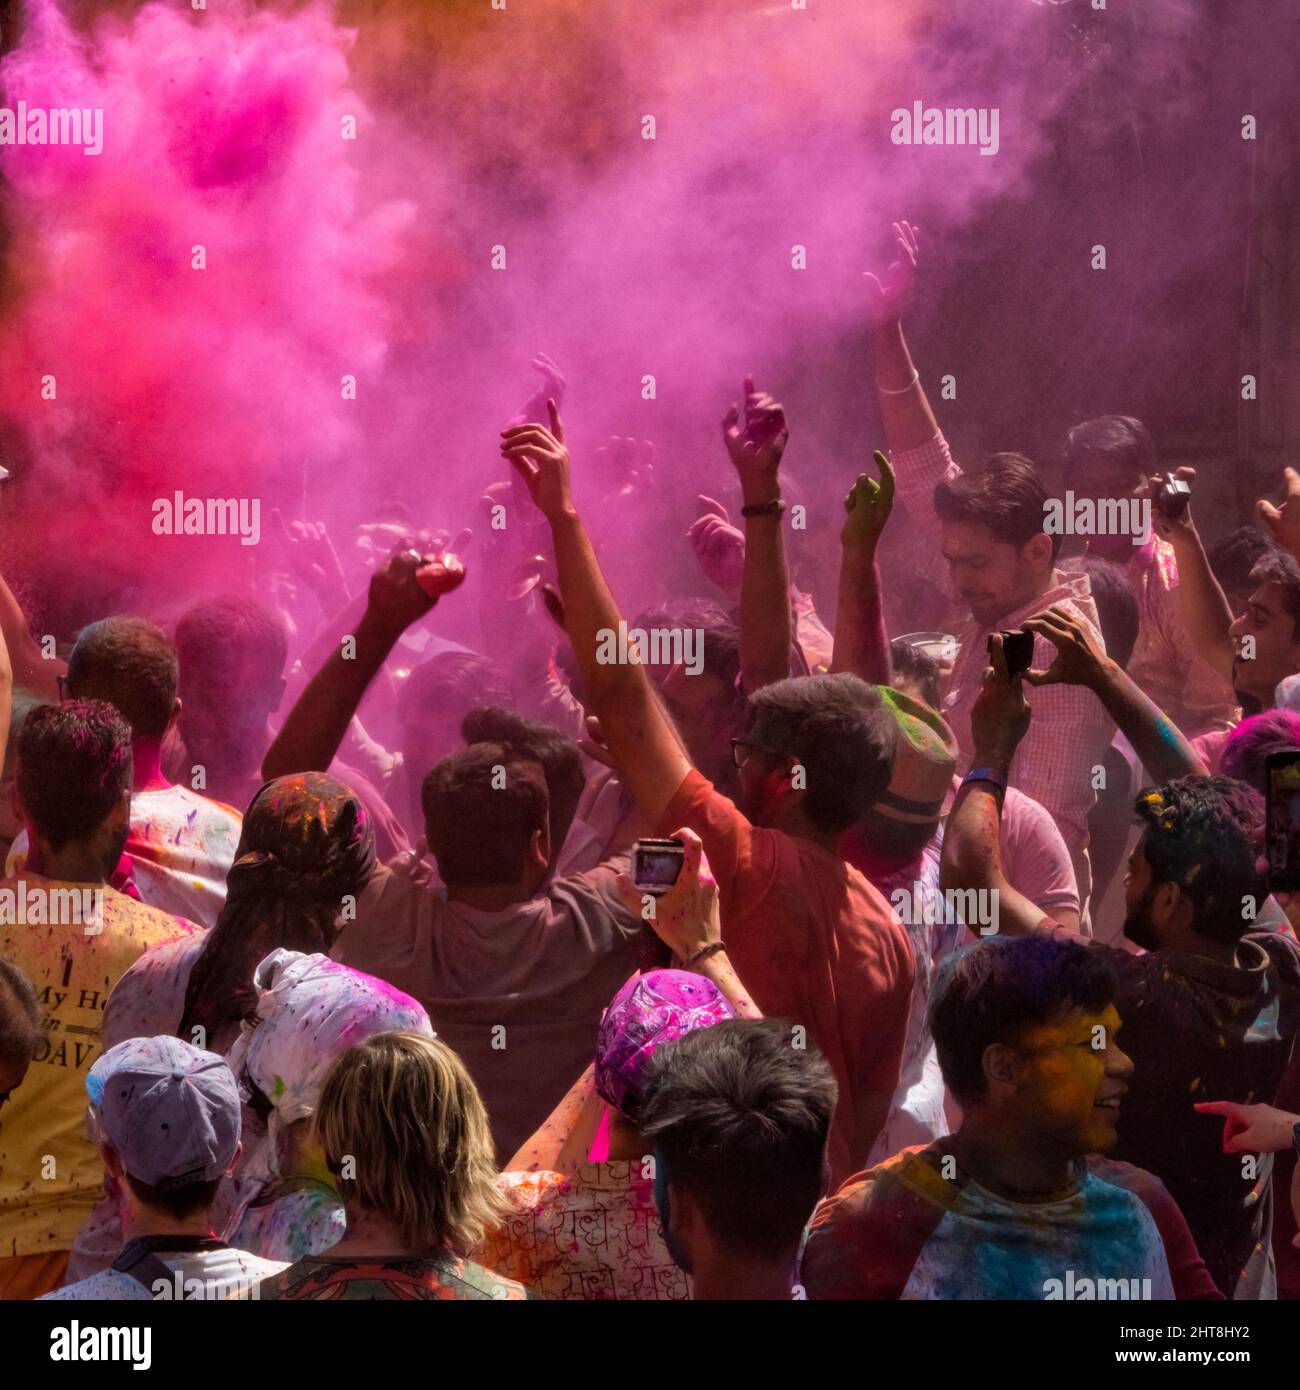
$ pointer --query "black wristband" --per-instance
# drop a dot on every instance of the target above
(773, 508)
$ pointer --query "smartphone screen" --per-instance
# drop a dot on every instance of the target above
(656, 864)
(1283, 820)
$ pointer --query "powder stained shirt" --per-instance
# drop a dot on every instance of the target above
(199, 1274)
(442, 1277)
(181, 846)
(50, 1173)
(518, 993)
(593, 1234)
(916, 1227)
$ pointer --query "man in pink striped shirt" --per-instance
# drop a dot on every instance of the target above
(1001, 564)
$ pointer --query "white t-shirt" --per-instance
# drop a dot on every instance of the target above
(197, 1274)
(181, 846)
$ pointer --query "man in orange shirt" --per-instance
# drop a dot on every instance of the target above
(814, 942)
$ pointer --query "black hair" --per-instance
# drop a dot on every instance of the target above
(1205, 834)
(1119, 439)
(1234, 556)
(215, 636)
(481, 807)
(1006, 495)
(74, 763)
(559, 756)
(919, 667)
(455, 682)
(840, 732)
(997, 989)
(1278, 567)
(177, 1202)
(740, 1116)
(1118, 613)
(130, 663)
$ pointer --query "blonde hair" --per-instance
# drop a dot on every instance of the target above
(404, 1110)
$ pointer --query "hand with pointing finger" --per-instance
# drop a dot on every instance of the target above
(868, 506)
(539, 457)
(1284, 522)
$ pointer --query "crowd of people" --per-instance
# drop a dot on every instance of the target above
(327, 969)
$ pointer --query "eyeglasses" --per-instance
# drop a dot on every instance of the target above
(740, 759)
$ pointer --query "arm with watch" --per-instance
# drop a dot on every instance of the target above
(972, 852)
(756, 436)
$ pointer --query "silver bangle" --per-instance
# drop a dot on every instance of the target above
(901, 390)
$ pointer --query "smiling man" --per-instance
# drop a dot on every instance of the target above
(1018, 1203)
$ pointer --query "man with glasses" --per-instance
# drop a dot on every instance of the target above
(814, 941)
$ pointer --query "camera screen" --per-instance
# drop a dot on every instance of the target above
(657, 868)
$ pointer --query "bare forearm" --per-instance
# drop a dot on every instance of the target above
(765, 623)
(638, 732)
(1156, 739)
(564, 1140)
(1204, 608)
(861, 638)
(318, 721)
(972, 849)
(720, 970)
(904, 408)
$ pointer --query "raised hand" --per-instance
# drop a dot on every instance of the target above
(408, 585)
(719, 549)
(1169, 528)
(868, 505)
(1284, 522)
(626, 466)
(1079, 660)
(313, 559)
(999, 718)
(888, 297)
(756, 439)
(539, 457)
(552, 388)
(687, 916)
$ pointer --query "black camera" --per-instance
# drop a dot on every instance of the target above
(1172, 496)
(1017, 648)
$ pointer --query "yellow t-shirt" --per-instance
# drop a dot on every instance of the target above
(50, 1173)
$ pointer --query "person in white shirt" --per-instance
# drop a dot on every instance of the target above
(167, 1119)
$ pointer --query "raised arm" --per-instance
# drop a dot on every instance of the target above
(314, 729)
(635, 726)
(1156, 739)
(904, 407)
(972, 851)
(1204, 609)
(861, 639)
(755, 442)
